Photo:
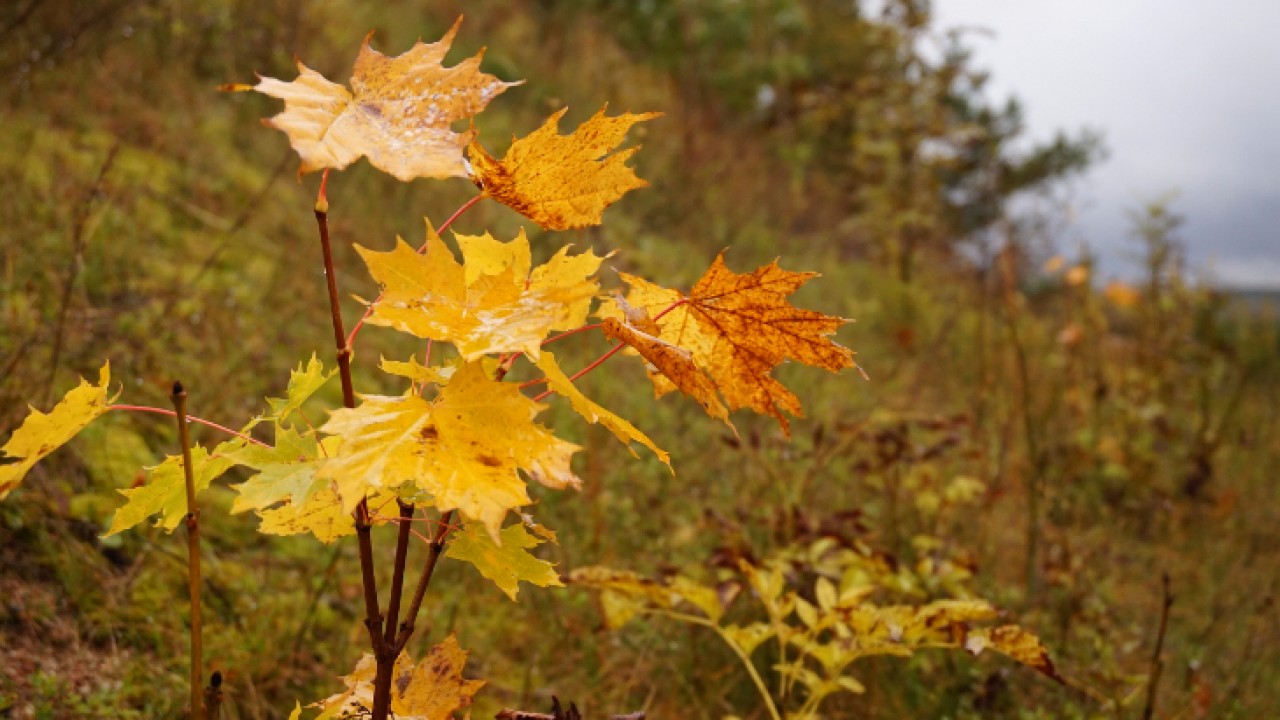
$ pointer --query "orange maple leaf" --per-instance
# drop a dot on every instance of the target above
(398, 112)
(562, 181)
(731, 330)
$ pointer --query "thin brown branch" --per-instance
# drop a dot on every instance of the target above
(1157, 664)
(213, 697)
(74, 264)
(434, 551)
(373, 616)
(397, 577)
(179, 398)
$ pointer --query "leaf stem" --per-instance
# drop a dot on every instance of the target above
(597, 363)
(458, 213)
(575, 331)
(179, 398)
(351, 339)
(192, 418)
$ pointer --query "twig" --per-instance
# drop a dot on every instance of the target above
(213, 696)
(1157, 665)
(179, 398)
(373, 616)
(433, 556)
(397, 576)
(73, 271)
(558, 714)
(192, 418)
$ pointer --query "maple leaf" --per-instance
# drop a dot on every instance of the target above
(166, 490)
(303, 383)
(492, 304)
(286, 471)
(398, 112)
(506, 564)
(433, 689)
(736, 329)
(673, 367)
(562, 181)
(464, 448)
(594, 413)
(320, 514)
(40, 433)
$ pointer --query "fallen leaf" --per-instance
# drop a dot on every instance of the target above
(432, 689)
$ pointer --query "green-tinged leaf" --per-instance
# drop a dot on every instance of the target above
(506, 564)
(303, 383)
(589, 409)
(297, 711)
(286, 472)
(40, 434)
(166, 491)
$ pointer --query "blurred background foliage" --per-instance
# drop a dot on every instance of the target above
(1028, 434)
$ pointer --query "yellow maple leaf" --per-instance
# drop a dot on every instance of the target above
(562, 181)
(40, 433)
(432, 689)
(320, 514)
(593, 412)
(490, 304)
(736, 328)
(448, 447)
(507, 563)
(673, 367)
(397, 113)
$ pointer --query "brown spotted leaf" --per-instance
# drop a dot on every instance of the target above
(1013, 642)
(397, 113)
(432, 689)
(736, 328)
(562, 181)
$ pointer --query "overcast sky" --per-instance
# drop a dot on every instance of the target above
(1187, 95)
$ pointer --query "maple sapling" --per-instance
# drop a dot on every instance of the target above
(461, 439)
